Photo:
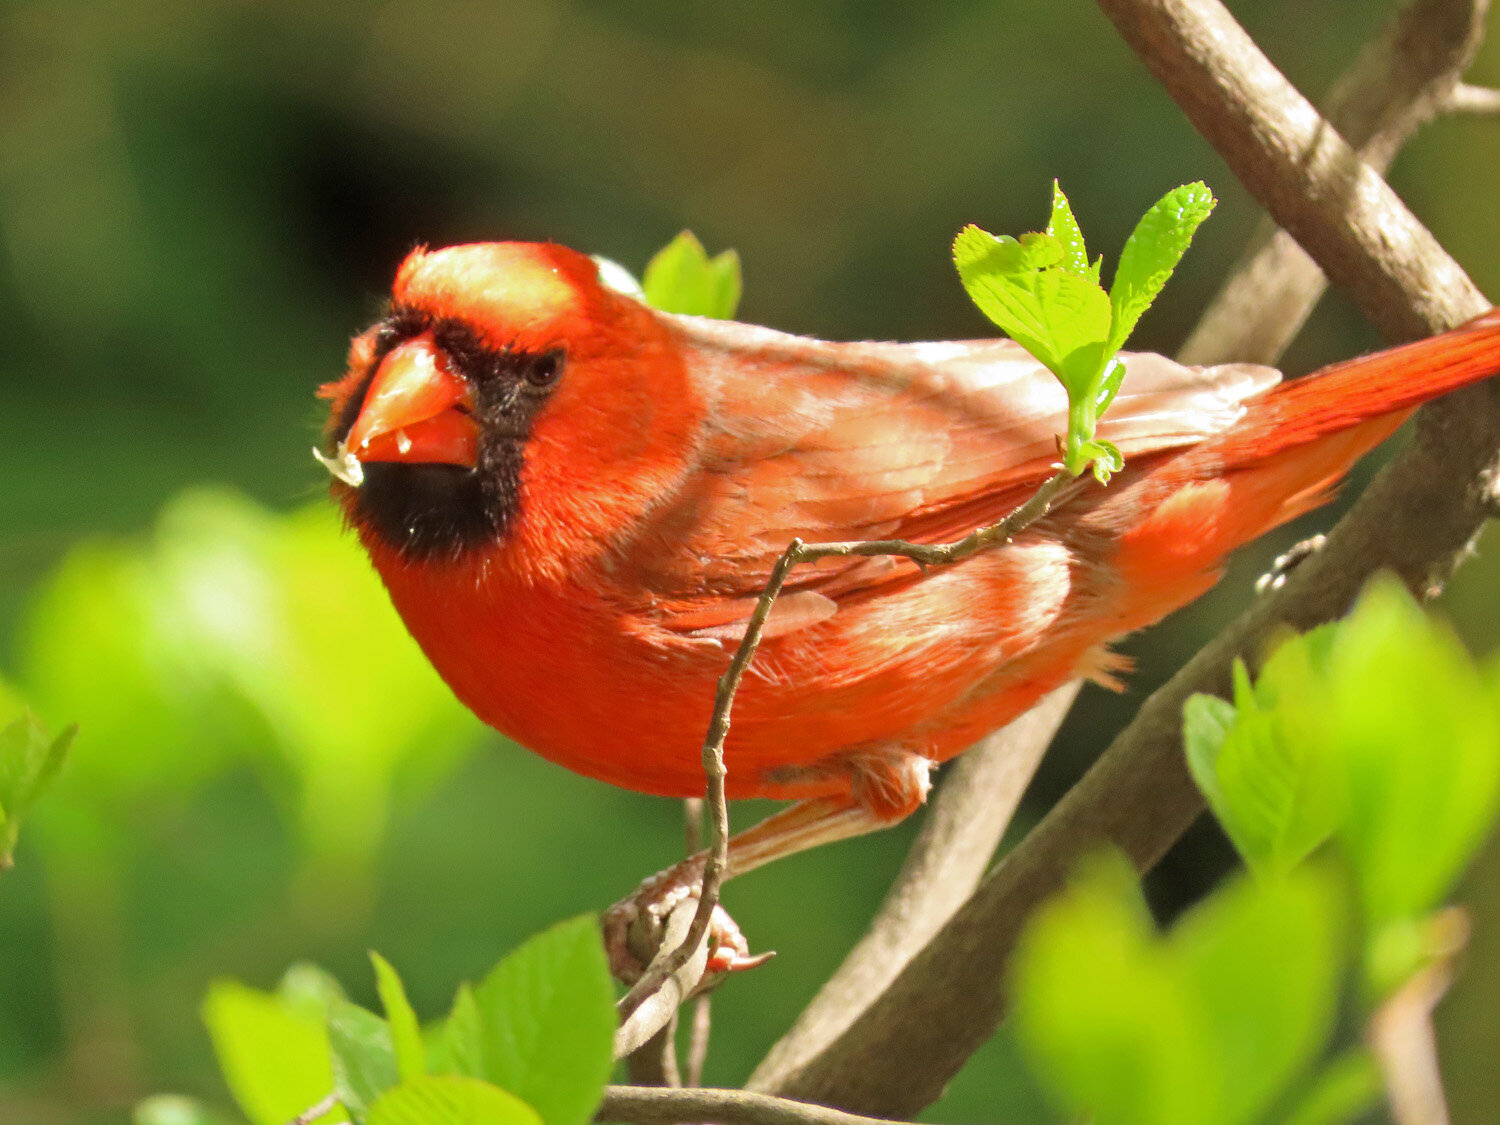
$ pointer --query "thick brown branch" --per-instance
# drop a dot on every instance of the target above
(1408, 75)
(657, 1106)
(1417, 516)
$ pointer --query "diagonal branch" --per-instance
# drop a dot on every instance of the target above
(1415, 519)
(1399, 82)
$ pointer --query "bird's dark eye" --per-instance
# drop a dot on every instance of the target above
(544, 370)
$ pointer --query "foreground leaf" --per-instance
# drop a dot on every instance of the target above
(274, 1058)
(450, 1100)
(548, 1021)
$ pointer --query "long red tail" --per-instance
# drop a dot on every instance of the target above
(1176, 524)
(1385, 385)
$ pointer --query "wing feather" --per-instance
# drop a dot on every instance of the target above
(827, 441)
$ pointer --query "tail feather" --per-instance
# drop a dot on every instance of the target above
(1175, 524)
(1386, 385)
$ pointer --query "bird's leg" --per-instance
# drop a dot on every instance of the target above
(884, 786)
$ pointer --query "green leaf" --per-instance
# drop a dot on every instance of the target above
(1061, 318)
(1101, 1016)
(1262, 762)
(548, 1022)
(1262, 960)
(405, 1030)
(1345, 1090)
(364, 1065)
(1064, 227)
(682, 278)
(1151, 254)
(275, 1059)
(29, 760)
(1418, 729)
(450, 1100)
(1210, 1023)
(458, 1046)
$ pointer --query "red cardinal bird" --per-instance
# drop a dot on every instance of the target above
(575, 500)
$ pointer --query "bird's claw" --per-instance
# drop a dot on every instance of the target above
(636, 927)
(1286, 562)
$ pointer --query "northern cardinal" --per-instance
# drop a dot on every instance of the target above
(574, 501)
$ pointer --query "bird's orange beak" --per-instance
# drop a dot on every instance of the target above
(416, 410)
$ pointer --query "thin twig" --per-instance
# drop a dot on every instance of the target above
(1401, 1033)
(646, 1105)
(312, 1113)
(698, 1032)
(657, 1008)
(797, 553)
(1465, 98)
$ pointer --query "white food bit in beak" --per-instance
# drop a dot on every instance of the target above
(403, 443)
(343, 465)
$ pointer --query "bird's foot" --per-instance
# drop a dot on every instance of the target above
(1285, 563)
(637, 927)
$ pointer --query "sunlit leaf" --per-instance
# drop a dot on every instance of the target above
(548, 1021)
(1152, 252)
(682, 278)
(1060, 317)
(364, 1066)
(450, 1100)
(29, 760)
(405, 1031)
(274, 1058)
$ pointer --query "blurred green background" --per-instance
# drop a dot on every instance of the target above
(200, 202)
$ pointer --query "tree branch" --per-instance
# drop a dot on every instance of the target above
(1410, 72)
(1415, 519)
(1399, 83)
(658, 1106)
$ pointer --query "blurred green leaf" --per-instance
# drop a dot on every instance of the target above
(450, 1100)
(1345, 1090)
(1152, 252)
(406, 1032)
(1263, 961)
(682, 278)
(275, 1059)
(364, 1065)
(458, 1046)
(1210, 1023)
(1419, 731)
(242, 622)
(548, 1022)
(29, 760)
(1268, 778)
(1099, 1013)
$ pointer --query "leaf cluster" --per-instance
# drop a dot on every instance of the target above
(1043, 291)
(530, 1044)
(1356, 775)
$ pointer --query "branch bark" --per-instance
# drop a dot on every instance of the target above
(1415, 519)
(661, 1106)
(1399, 82)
